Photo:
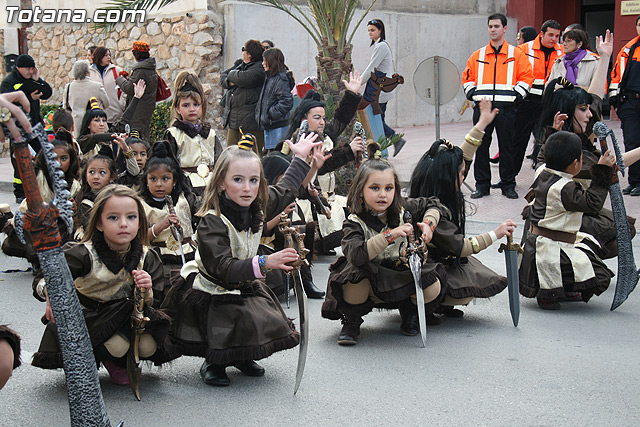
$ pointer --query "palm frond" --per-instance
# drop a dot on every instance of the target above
(309, 26)
(147, 5)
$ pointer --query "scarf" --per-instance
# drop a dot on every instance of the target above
(115, 261)
(241, 217)
(571, 61)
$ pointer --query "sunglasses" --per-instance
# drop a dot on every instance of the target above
(373, 22)
(244, 49)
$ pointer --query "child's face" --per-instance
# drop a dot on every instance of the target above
(98, 174)
(190, 110)
(140, 154)
(63, 158)
(119, 222)
(581, 117)
(242, 181)
(379, 191)
(160, 182)
(315, 117)
(98, 125)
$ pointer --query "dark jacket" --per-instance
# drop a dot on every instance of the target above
(275, 103)
(143, 70)
(241, 97)
(14, 81)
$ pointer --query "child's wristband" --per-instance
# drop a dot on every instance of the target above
(128, 154)
(153, 231)
(387, 235)
(431, 225)
(257, 271)
(262, 265)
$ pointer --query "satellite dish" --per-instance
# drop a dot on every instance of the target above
(427, 74)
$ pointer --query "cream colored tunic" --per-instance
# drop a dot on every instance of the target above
(183, 211)
(193, 152)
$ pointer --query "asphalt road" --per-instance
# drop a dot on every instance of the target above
(577, 366)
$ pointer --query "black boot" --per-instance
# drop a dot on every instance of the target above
(409, 313)
(351, 321)
(307, 283)
(214, 374)
(250, 368)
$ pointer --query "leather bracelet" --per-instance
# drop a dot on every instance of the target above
(387, 235)
(128, 154)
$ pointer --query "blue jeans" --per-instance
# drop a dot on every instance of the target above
(387, 130)
(273, 136)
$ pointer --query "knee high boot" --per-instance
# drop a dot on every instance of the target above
(307, 283)
(351, 321)
(409, 314)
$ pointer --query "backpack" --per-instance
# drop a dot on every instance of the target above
(163, 91)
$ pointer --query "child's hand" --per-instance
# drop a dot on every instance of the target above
(142, 279)
(505, 229)
(607, 159)
(558, 120)
(138, 88)
(357, 145)
(166, 223)
(48, 312)
(319, 158)
(304, 145)
(119, 139)
(289, 208)
(427, 234)
(279, 260)
(487, 114)
(405, 230)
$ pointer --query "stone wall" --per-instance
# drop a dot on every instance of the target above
(187, 42)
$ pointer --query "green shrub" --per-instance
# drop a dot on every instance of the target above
(160, 121)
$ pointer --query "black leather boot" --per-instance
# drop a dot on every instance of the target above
(250, 368)
(409, 313)
(307, 284)
(352, 319)
(214, 374)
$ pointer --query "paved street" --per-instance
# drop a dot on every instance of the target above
(577, 366)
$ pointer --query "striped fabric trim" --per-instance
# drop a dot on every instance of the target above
(481, 57)
(510, 55)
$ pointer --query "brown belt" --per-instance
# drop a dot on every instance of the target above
(558, 236)
(163, 244)
(195, 169)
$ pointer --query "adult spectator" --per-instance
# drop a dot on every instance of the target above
(275, 102)
(501, 73)
(267, 44)
(541, 53)
(381, 60)
(624, 93)
(144, 69)
(244, 83)
(578, 65)
(77, 93)
(105, 72)
(26, 78)
(90, 51)
(525, 35)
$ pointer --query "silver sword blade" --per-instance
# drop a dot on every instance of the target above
(416, 270)
(513, 279)
(301, 299)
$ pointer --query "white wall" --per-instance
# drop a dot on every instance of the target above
(413, 37)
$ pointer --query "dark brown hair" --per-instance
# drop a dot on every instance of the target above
(255, 49)
(275, 60)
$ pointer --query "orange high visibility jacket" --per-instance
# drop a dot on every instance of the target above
(506, 78)
(540, 65)
(621, 64)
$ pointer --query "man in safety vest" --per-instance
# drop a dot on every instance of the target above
(624, 96)
(501, 73)
(542, 53)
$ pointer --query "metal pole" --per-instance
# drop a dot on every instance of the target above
(436, 88)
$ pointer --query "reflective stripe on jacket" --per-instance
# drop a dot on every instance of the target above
(621, 64)
(539, 63)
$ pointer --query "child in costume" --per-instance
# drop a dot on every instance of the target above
(69, 164)
(163, 178)
(140, 149)
(229, 316)
(556, 259)
(107, 266)
(98, 172)
(370, 272)
(194, 142)
(440, 173)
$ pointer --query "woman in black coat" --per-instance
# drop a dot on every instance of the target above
(275, 103)
(244, 83)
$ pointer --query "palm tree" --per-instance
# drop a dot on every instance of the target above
(327, 24)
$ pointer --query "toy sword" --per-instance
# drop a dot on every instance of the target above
(511, 251)
(138, 323)
(295, 240)
(176, 229)
(628, 275)
(413, 255)
(86, 406)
